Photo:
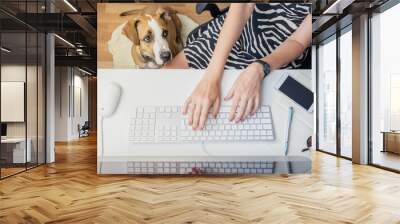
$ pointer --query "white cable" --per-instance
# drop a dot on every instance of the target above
(203, 147)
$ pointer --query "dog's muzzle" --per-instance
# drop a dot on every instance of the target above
(146, 58)
(165, 56)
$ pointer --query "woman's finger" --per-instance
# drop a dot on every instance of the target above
(256, 104)
(241, 109)
(203, 116)
(185, 106)
(196, 116)
(215, 108)
(192, 107)
(233, 108)
(230, 94)
(249, 108)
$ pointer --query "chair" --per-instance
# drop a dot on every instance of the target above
(84, 130)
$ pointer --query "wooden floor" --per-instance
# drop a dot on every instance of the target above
(386, 159)
(70, 191)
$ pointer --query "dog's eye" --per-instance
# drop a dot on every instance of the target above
(147, 38)
(165, 33)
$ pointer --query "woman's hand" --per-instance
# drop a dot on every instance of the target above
(245, 93)
(206, 95)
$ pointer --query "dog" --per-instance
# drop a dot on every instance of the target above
(155, 35)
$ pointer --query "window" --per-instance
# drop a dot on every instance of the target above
(385, 88)
(327, 96)
(346, 93)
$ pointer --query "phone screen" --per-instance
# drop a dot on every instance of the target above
(297, 92)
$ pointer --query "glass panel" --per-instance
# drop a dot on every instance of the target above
(41, 98)
(31, 100)
(32, 87)
(385, 84)
(327, 96)
(13, 87)
(23, 89)
(346, 94)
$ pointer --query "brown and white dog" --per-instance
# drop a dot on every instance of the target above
(155, 34)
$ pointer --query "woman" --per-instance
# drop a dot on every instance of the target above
(255, 37)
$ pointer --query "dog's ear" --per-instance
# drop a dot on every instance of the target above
(130, 31)
(163, 13)
(173, 21)
(178, 26)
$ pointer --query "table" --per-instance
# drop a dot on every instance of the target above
(391, 141)
(18, 149)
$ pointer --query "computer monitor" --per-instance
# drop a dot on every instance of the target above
(3, 129)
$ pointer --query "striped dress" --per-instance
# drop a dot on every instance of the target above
(269, 25)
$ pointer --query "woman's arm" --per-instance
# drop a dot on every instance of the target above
(292, 47)
(207, 93)
(234, 23)
(245, 93)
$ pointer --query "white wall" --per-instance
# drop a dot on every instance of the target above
(71, 109)
(12, 73)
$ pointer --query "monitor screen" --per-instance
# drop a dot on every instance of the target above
(3, 129)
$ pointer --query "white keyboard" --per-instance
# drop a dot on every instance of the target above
(200, 167)
(166, 124)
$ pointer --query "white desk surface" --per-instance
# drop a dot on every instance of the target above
(13, 140)
(171, 87)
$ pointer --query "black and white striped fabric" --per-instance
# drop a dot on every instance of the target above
(269, 25)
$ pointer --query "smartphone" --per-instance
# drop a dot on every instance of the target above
(296, 91)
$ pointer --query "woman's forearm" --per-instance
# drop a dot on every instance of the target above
(292, 47)
(234, 23)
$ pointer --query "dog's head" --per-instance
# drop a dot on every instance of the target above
(155, 36)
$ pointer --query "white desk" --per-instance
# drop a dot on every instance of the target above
(18, 149)
(149, 87)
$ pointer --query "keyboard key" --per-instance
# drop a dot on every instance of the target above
(225, 110)
(149, 109)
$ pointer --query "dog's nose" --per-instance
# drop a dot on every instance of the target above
(165, 55)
